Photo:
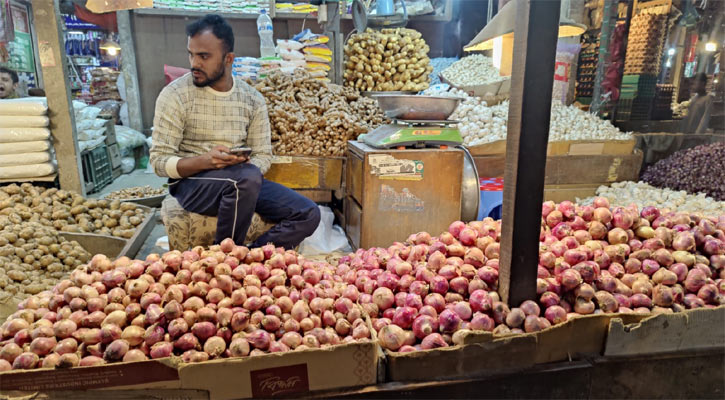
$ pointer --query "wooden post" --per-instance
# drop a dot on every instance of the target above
(128, 68)
(535, 36)
(60, 107)
(609, 21)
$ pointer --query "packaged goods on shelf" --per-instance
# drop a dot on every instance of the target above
(387, 60)
(25, 149)
(311, 117)
(316, 53)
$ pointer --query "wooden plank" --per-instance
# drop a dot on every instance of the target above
(307, 172)
(142, 232)
(54, 65)
(318, 196)
(535, 36)
(561, 170)
(114, 394)
(94, 243)
(559, 193)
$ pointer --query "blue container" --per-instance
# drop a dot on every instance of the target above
(385, 7)
(491, 198)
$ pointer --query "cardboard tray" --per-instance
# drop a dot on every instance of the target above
(271, 375)
(567, 147)
(483, 354)
(114, 247)
(691, 330)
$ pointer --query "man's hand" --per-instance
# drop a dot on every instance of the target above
(219, 157)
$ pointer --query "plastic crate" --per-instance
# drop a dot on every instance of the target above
(641, 85)
(97, 172)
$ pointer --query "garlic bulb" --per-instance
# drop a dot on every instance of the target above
(625, 193)
(476, 69)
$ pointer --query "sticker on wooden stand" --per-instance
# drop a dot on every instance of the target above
(45, 53)
(279, 381)
(386, 166)
(403, 202)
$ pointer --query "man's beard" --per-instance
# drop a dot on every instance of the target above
(209, 81)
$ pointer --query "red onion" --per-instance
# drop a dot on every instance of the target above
(391, 337)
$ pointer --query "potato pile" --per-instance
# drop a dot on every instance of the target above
(387, 60)
(311, 117)
(67, 211)
(33, 258)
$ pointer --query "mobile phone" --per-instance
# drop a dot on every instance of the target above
(241, 151)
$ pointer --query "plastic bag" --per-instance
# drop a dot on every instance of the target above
(25, 147)
(24, 107)
(566, 54)
(88, 113)
(24, 121)
(326, 238)
(10, 135)
(9, 160)
(128, 164)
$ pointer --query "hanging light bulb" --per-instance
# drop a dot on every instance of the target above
(710, 47)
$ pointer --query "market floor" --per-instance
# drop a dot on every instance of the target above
(140, 177)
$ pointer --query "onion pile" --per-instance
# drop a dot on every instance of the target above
(700, 169)
(227, 301)
(593, 259)
(642, 195)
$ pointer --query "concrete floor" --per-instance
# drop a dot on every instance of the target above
(140, 178)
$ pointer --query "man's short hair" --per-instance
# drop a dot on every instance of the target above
(217, 25)
(13, 74)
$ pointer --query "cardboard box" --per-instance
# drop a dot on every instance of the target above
(698, 329)
(132, 375)
(483, 354)
(567, 147)
(348, 365)
(273, 375)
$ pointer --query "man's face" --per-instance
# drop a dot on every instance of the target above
(207, 58)
(7, 86)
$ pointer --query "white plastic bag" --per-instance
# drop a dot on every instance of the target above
(24, 147)
(9, 160)
(128, 164)
(27, 171)
(11, 135)
(25, 121)
(326, 238)
(34, 106)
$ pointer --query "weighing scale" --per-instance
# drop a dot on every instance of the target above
(418, 134)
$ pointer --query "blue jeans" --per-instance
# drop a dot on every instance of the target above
(233, 194)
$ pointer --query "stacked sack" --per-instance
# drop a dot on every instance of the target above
(25, 149)
(91, 130)
(317, 55)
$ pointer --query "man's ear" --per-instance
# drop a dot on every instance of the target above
(229, 58)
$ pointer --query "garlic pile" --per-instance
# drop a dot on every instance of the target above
(481, 124)
(642, 194)
(439, 64)
(472, 70)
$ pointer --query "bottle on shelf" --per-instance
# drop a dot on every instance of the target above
(266, 35)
